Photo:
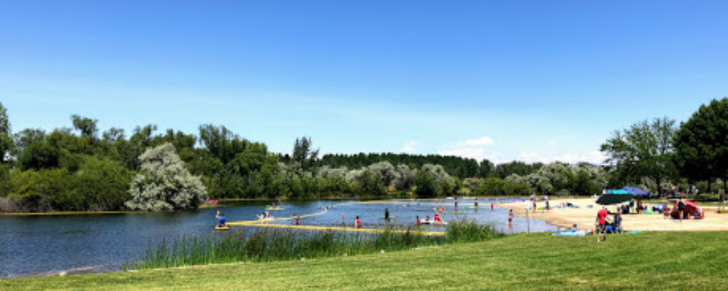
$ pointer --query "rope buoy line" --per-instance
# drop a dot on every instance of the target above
(350, 229)
(263, 223)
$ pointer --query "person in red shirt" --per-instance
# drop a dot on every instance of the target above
(602, 220)
(491, 207)
(418, 220)
(358, 222)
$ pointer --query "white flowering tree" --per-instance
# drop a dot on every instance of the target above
(165, 183)
(406, 178)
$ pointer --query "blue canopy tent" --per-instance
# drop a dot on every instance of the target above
(636, 191)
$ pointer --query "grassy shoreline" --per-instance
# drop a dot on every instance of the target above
(654, 260)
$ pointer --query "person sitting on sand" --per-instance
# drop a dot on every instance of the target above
(617, 224)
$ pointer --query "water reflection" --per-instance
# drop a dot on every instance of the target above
(33, 244)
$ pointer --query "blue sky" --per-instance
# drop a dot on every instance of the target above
(504, 80)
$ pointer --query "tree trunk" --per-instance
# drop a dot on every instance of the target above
(659, 188)
(721, 205)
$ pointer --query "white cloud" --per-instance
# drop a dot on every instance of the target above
(495, 158)
(471, 149)
(477, 142)
(471, 153)
(594, 157)
(409, 146)
(530, 157)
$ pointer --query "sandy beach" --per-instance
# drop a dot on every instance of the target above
(584, 217)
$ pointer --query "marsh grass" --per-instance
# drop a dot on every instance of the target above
(464, 231)
(267, 245)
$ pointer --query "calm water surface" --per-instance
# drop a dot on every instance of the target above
(38, 245)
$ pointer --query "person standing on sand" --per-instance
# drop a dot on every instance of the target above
(680, 208)
(602, 221)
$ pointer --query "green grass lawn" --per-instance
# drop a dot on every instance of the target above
(655, 261)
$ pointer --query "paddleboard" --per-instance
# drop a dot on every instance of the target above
(222, 228)
(455, 212)
(472, 207)
(277, 208)
(391, 217)
(433, 222)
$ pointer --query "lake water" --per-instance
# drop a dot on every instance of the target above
(39, 245)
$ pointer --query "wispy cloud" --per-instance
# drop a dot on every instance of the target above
(477, 142)
(471, 148)
(471, 153)
(594, 157)
(530, 157)
(410, 146)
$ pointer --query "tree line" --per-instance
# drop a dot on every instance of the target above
(668, 158)
(81, 168)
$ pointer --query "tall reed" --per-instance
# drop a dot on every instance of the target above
(265, 245)
(463, 231)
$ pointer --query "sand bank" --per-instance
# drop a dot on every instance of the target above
(585, 217)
